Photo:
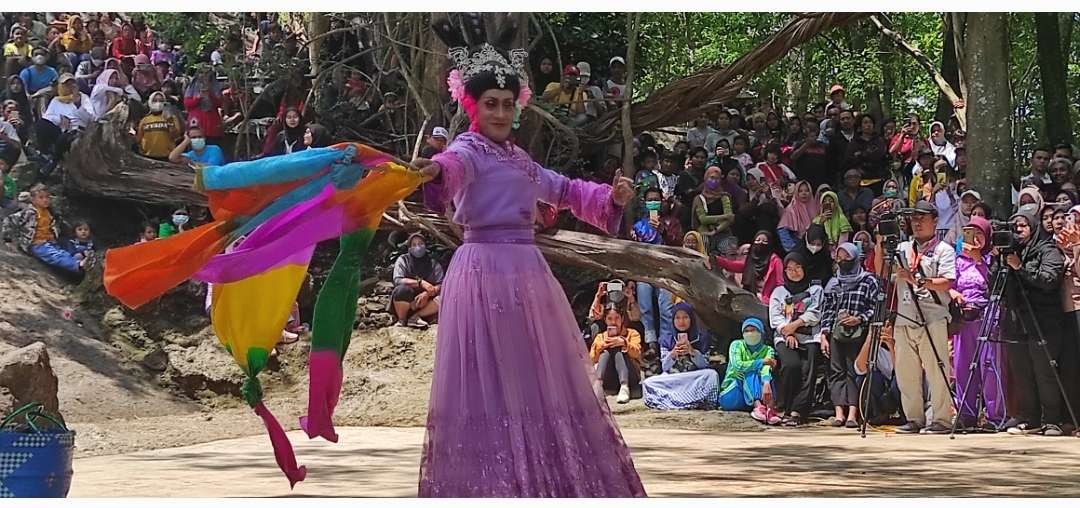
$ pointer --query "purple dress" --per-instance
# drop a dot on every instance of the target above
(989, 376)
(516, 409)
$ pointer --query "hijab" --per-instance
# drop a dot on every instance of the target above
(849, 280)
(1038, 234)
(99, 95)
(755, 323)
(796, 287)
(737, 193)
(700, 241)
(293, 134)
(1034, 193)
(984, 226)
(668, 341)
(838, 224)
(20, 98)
(123, 78)
(711, 194)
(757, 266)
(797, 215)
(818, 266)
(320, 137)
(205, 103)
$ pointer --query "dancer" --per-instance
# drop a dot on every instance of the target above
(516, 408)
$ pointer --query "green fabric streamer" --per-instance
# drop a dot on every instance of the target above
(335, 308)
(252, 388)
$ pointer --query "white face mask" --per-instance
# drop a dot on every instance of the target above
(156, 107)
(39, 60)
(814, 249)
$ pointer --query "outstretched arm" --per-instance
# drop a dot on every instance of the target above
(600, 205)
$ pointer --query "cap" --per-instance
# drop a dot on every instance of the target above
(616, 59)
(925, 207)
(142, 59)
(973, 193)
(733, 112)
(570, 70)
(584, 69)
(440, 132)
(65, 77)
(925, 151)
(836, 88)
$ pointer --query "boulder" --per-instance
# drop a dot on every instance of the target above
(26, 376)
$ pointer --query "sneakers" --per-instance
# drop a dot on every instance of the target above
(935, 428)
(772, 417)
(909, 428)
(1052, 430)
(760, 413)
(624, 395)
(1025, 428)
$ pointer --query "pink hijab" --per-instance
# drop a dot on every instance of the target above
(797, 215)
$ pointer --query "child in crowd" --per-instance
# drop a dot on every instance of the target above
(177, 223)
(81, 246)
(38, 234)
(149, 232)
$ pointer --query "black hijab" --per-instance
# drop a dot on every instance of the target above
(796, 287)
(757, 266)
(320, 136)
(817, 266)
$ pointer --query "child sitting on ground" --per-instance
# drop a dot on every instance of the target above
(81, 246)
(149, 232)
(37, 233)
(176, 225)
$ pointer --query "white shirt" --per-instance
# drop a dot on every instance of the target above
(9, 130)
(700, 137)
(947, 150)
(948, 206)
(667, 182)
(80, 116)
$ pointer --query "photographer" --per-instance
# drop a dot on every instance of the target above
(926, 270)
(1038, 266)
(616, 352)
(617, 292)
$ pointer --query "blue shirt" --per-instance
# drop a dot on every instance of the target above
(34, 80)
(211, 156)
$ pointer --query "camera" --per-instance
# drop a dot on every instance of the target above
(1002, 237)
(889, 228)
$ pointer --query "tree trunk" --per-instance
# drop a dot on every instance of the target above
(318, 25)
(989, 145)
(632, 21)
(885, 57)
(949, 70)
(1052, 75)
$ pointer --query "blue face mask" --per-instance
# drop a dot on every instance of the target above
(198, 144)
(180, 219)
(418, 251)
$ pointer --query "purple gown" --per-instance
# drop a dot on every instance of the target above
(516, 409)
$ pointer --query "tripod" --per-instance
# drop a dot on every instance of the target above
(885, 299)
(990, 319)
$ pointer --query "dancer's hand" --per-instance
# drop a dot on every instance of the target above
(622, 189)
(427, 167)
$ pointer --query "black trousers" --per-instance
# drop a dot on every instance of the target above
(51, 140)
(796, 378)
(1069, 362)
(843, 389)
(1034, 388)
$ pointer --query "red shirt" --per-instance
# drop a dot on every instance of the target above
(209, 121)
(122, 47)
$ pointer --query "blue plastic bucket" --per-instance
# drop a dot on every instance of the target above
(35, 461)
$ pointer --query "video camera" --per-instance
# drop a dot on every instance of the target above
(1002, 237)
(889, 227)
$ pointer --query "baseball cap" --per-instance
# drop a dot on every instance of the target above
(440, 132)
(65, 77)
(584, 69)
(616, 59)
(924, 206)
(836, 88)
(733, 112)
(973, 193)
(570, 70)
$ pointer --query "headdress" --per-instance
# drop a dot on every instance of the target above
(475, 58)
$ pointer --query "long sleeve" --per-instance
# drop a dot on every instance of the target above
(766, 370)
(829, 307)
(812, 315)
(777, 319)
(588, 201)
(731, 265)
(633, 345)
(456, 172)
(399, 270)
(774, 276)
(1047, 272)
(437, 273)
(667, 359)
(597, 347)
(739, 361)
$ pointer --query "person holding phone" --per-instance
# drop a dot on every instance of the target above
(616, 352)
(687, 381)
(832, 217)
(618, 292)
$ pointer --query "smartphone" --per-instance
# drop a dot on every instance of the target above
(654, 215)
(615, 286)
(612, 331)
(684, 336)
(969, 236)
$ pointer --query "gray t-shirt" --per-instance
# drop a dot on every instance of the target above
(936, 261)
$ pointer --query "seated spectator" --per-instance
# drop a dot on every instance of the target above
(16, 52)
(616, 352)
(177, 224)
(68, 113)
(795, 314)
(858, 221)
(316, 136)
(418, 281)
(164, 72)
(797, 217)
(693, 241)
(110, 91)
(850, 301)
(8, 190)
(144, 77)
(163, 53)
(88, 70)
(740, 152)
(291, 137)
(158, 131)
(37, 233)
(10, 143)
(890, 202)
(125, 45)
(149, 232)
(436, 142)
(200, 153)
(15, 91)
(617, 292)
(748, 381)
(832, 217)
(761, 269)
(883, 401)
(76, 42)
(80, 246)
(659, 225)
(687, 381)
(864, 240)
(816, 254)
(713, 215)
(38, 76)
(203, 102)
(854, 195)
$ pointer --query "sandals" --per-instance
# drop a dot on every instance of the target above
(793, 420)
(838, 422)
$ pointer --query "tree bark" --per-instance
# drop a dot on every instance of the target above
(989, 144)
(632, 21)
(317, 26)
(950, 70)
(1055, 91)
(102, 163)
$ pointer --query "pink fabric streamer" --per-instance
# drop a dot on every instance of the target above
(283, 450)
(324, 369)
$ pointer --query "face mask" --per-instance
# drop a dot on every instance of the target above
(39, 60)
(616, 296)
(180, 219)
(156, 107)
(760, 249)
(846, 266)
(712, 183)
(198, 143)
(814, 249)
(418, 251)
(751, 338)
(652, 205)
(890, 193)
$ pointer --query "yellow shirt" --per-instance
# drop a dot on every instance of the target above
(43, 231)
(157, 135)
(564, 97)
(76, 44)
(10, 49)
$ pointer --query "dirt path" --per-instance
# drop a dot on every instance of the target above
(383, 462)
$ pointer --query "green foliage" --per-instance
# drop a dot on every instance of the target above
(193, 30)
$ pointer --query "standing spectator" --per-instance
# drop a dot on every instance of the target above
(809, 157)
(647, 230)
(867, 152)
(776, 173)
(436, 142)
(689, 184)
(838, 147)
(940, 145)
(76, 42)
(907, 144)
(616, 352)
(594, 104)
(143, 34)
(615, 88)
(201, 152)
(740, 147)
(38, 76)
(158, 131)
(795, 315)
(762, 270)
(749, 375)
(854, 195)
(418, 281)
(545, 74)
(569, 92)
(850, 298)
(837, 94)
(922, 336)
(37, 232)
(659, 225)
(1038, 268)
(702, 135)
(203, 102)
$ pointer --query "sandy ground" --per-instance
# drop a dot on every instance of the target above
(384, 462)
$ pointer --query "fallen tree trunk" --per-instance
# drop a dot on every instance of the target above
(102, 163)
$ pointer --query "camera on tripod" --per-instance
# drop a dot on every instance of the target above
(1002, 237)
(889, 228)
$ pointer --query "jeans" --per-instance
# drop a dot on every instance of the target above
(648, 316)
(52, 255)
